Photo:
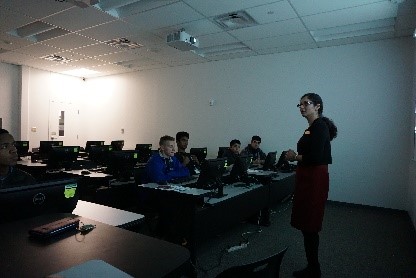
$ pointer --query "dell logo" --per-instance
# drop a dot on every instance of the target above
(39, 198)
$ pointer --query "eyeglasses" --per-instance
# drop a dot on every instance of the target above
(6, 146)
(304, 103)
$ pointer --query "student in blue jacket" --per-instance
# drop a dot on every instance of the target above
(164, 166)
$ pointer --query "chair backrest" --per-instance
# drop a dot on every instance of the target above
(264, 268)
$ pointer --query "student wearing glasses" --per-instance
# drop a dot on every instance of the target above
(10, 176)
(312, 178)
(254, 150)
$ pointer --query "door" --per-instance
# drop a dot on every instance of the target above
(63, 122)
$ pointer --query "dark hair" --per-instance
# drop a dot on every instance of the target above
(181, 134)
(316, 99)
(3, 131)
(165, 138)
(235, 141)
(256, 137)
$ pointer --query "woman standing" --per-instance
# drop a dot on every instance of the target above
(312, 178)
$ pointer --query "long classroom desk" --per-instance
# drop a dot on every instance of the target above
(135, 254)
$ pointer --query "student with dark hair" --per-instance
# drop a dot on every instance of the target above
(312, 178)
(10, 176)
(188, 160)
(254, 150)
(233, 151)
(164, 166)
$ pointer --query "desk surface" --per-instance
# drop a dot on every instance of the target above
(107, 215)
(133, 253)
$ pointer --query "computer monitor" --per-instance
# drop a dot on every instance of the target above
(62, 157)
(39, 198)
(145, 152)
(100, 154)
(46, 146)
(221, 151)
(92, 143)
(239, 171)
(270, 161)
(117, 145)
(200, 153)
(212, 171)
(121, 164)
(22, 148)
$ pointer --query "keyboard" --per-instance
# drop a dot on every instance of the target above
(182, 180)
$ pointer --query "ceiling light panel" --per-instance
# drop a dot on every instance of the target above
(304, 8)
(32, 29)
(371, 12)
(137, 7)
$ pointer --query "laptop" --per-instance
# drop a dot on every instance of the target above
(37, 199)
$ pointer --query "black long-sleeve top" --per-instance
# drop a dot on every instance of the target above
(314, 145)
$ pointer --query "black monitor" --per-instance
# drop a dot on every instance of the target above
(239, 171)
(270, 161)
(22, 148)
(117, 145)
(62, 157)
(200, 153)
(221, 151)
(212, 171)
(92, 143)
(39, 198)
(100, 154)
(145, 152)
(121, 164)
(46, 146)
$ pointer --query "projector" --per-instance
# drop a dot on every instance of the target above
(182, 41)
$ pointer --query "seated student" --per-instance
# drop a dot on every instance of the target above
(190, 161)
(254, 150)
(232, 152)
(117, 145)
(11, 176)
(164, 166)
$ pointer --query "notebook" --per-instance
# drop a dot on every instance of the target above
(92, 268)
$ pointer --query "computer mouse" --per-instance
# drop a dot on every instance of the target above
(85, 172)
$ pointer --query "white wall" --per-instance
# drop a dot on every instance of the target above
(412, 168)
(367, 90)
(10, 98)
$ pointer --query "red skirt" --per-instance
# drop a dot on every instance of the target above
(311, 193)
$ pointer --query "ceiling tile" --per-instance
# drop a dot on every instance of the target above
(120, 57)
(173, 14)
(37, 50)
(287, 48)
(215, 39)
(70, 41)
(358, 39)
(77, 19)
(36, 9)
(272, 12)
(280, 41)
(111, 30)
(217, 7)
(96, 50)
(12, 20)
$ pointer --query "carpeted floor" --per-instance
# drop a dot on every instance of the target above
(356, 241)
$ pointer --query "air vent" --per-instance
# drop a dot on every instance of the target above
(57, 58)
(235, 20)
(123, 43)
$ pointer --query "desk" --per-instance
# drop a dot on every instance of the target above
(189, 213)
(111, 216)
(133, 253)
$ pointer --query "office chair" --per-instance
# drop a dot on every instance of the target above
(264, 268)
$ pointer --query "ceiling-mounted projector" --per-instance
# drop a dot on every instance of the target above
(182, 41)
